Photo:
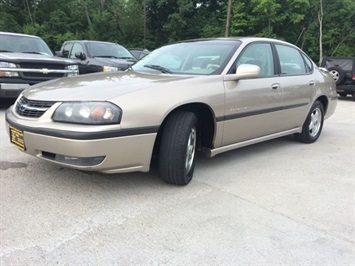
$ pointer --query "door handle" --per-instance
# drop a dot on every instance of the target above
(275, 86)
(311, 83)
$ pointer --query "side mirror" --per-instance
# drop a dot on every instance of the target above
(244, 71)
(58, 53)
(80, 55)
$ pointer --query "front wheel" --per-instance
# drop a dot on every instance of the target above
(178, 147)
(313, 125)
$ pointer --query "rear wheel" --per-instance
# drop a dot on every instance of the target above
(313, 125)
(178, 147)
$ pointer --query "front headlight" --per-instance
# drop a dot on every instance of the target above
(7, 73)
(75, 69)
(89, 113)
(109, 68)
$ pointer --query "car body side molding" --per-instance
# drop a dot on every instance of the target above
(258, 112)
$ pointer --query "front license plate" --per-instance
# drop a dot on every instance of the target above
(16, 138)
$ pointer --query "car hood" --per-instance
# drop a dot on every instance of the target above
(28, 57)
(99, 86)
(112, 61)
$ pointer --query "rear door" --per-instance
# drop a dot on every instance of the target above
(298, 85)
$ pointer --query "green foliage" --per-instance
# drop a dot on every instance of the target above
(122, 21)
(338, 29)
(8, 23)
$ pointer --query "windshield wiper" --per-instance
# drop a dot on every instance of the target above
(107, 56)
(5, 51)
(31, 52)
(112, 56)
(160, 68)
(126, 57)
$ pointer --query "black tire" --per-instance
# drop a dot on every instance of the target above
(177, 148)
(353, 96)
(338, 74)
(343, 94)
(313, 125)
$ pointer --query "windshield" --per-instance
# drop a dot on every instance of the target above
(196, 58)
(108, 50)
(24, 44)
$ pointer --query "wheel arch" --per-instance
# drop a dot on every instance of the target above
(206, 124)
(324, 101)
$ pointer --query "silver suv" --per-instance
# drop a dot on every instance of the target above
(343, 71)
(26, 60)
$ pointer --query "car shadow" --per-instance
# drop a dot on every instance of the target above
(248, 152)
(346, 98)
(152, 179)
(202, 161)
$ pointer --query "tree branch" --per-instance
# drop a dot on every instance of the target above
(342, 40)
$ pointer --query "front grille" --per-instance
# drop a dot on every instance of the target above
(34, 109)
(32, 75)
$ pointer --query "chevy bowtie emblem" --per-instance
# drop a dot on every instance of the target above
(44, 71)
(23, 107)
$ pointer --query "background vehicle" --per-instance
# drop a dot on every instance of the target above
(210, 95)
(138, 53)
(96, 56)
(343, 71)
(27, 60)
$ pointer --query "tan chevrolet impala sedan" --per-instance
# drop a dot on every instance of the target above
(209, 95)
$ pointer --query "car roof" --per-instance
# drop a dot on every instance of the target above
(91, 41)
(243, 39)
(18, 34)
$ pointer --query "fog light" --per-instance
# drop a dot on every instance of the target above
(79, 161)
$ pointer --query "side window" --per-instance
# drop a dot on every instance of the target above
(76, 48)
(259, 54)
(66, 49)
(309, 64)
(291, 60)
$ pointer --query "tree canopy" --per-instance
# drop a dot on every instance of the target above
(152, 23)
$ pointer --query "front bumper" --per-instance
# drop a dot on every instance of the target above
(348, 88)
(107, 155)
(12, 90)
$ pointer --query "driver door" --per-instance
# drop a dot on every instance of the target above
(253, 106)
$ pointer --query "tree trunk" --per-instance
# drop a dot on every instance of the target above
(145, 23)
(320, 19)
(87, 13)
(228, 18)
(29, 11)
(103, 5)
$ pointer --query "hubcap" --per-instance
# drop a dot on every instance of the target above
(335, 75)
(316, 122)
(191, 147)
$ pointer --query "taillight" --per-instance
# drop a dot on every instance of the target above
(353, 77)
